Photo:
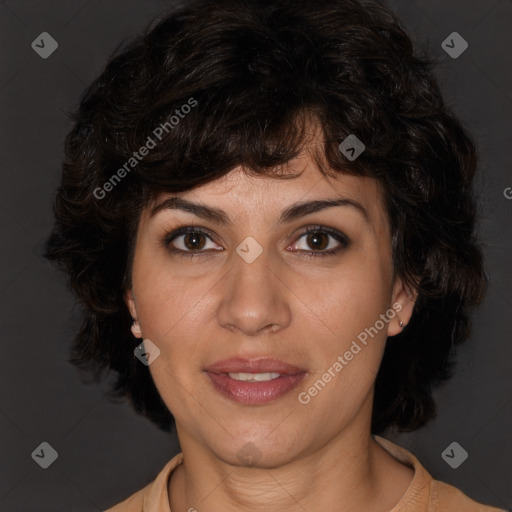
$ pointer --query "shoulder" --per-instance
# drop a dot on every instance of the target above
(448, 498)
(425, 493)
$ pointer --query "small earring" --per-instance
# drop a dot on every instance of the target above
(135, 328)
(400, 323)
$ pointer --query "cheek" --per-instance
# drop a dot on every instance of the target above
(164, 298)
(172, 315)
(173, 311)
(349, 299)
(347, 335)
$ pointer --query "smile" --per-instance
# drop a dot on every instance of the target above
(254, 381)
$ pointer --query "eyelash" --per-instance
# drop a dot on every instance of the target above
(340, 237)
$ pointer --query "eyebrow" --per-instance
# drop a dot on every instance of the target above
(291, 213)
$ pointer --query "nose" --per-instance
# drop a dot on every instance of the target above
(254, 298)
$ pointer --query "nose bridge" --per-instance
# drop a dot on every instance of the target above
(253, 297)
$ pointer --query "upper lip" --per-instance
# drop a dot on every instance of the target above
(260, 365)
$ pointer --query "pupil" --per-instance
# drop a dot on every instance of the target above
(194, 237)
(314, 238)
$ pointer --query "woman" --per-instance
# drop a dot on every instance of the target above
(267, 211)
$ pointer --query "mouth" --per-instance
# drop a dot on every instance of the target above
(254, 381)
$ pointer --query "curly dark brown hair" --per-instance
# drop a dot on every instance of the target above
(253, 72)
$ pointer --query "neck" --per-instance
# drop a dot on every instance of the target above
(350, 473)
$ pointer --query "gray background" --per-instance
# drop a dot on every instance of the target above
(105, 451)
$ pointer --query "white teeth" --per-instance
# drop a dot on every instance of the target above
(254, 377)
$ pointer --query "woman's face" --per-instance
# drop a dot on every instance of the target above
(259, 288)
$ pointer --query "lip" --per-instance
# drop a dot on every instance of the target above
(254, 393)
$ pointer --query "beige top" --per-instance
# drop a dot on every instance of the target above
(424, 494)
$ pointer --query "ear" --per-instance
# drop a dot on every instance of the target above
(403, 300)
(130, 302)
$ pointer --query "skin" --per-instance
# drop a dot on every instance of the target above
(304, 311)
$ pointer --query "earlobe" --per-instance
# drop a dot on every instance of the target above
(404, 298)
(130, 303)
(136, 329)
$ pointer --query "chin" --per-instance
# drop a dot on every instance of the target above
(262, 451)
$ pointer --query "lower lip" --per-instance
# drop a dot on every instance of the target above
(254, 393)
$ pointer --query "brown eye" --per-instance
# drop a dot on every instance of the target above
(318, 238)
(193, 241)
(189, 241)
(317, 241)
